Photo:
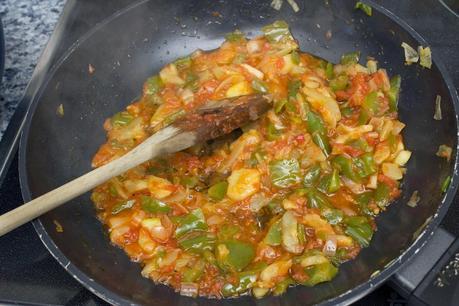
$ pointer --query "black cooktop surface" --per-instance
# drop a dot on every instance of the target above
(30, 275)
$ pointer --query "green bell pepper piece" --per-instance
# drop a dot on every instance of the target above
(227, 232)
(174, 116)
(279, 105)
(277, 31)
(316, 128)
(370, 104)
(295, 57)
(259, 86)
(320, 273)
(394, 92)
(329, 71)
(189, 181)
(234, 255)
(364, 7)
(350, 58)
(235, 36)
(218, 191)
(347, 111)
(284, 173)
(329, 183)
(119, 207)
(153, 85)
(282, 286)
(293, 88)
(301, 233)
(445, 184)
(365, 165)
(275, 207)
(274, 235)
(154, 206)
(209, 257)
(122, 119)
(193, 221)
(272, 133)
(315, 124)
(332, 215)
(363, 200)
(194, 273)
(335, 182)
(339, 83)
(322, 142)
(197, 243)
(183, 62)
(246, 280)
(316, 199)
(382, 195)
(359, 229)
(344, 166)
(311, 177)
(363, 117)
(192, 81)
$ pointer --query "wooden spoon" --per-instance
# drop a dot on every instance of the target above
(210, 121)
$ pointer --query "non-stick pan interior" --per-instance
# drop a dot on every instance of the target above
(134, 45)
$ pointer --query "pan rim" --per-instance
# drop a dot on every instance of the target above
(345, 298)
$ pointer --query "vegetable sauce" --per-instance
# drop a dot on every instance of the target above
(282, 202)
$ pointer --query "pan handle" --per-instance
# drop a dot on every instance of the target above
(431, 277)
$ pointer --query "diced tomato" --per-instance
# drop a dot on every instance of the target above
(359, 89)
(300, 138)
(298, 274)
(381, 80)
(342, 95)
(386, 180)
(354, 152)
(280, 63)
(372, 141)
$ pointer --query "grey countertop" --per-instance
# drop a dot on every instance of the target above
(27, 26)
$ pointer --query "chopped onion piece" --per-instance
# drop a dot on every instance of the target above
(60, 110)
(411, 56)
(290, 240)
(257, 202)
(254, 46)
(253, 71)
(372, 66)
(438, 115)
(259, 292)
(329, 247)
(445, 152)
(425, 57)
(402, 157)
(414, 199)
(276, 4)
(294, 5)
(353, 186)
(373, 181)
(392, 171)
(189, 289)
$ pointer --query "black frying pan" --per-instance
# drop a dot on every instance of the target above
(135, 43)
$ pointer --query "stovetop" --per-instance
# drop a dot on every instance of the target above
(30, 275)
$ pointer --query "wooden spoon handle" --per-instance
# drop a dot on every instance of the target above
(165, 141)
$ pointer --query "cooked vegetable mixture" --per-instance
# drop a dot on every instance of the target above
(282, 202)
